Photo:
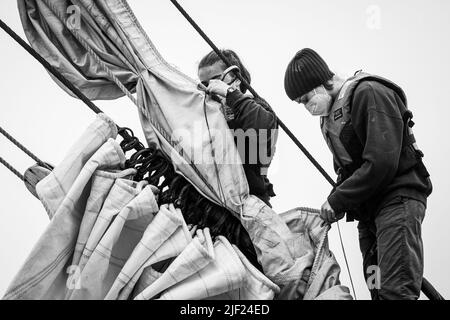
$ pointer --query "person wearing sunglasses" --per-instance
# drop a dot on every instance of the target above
(250, 118)
(382, 181)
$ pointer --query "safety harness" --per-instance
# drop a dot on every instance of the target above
(338, 132)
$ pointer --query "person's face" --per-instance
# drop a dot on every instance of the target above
(215, 71)
(318, 101)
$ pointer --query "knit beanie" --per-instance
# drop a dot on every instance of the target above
(306, 71)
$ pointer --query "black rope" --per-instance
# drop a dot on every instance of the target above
(429, 291)
(12, 169)
(24, 149)
(50, 68)
(125, 133)
(122, 131)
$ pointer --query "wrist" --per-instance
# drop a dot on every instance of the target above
(233, 97)
(335, 203)
(230, 90)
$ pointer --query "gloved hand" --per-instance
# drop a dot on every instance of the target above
(328, 215)
(217, 87)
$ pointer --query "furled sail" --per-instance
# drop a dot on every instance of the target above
(102, 49)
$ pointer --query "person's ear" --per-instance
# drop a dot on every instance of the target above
(329, 87)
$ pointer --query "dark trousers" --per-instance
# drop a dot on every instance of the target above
(392, 250)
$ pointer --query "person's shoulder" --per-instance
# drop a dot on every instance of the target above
(371, 87)
(375, 95)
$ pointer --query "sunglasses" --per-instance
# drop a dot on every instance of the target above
(222, 76)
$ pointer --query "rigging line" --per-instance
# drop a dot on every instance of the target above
(317, 211)
(49, 67)
(12, 169)
(213, 154)
(319, 255)
(24, 149)
(69, 85)
(280, 123)
(345, 258)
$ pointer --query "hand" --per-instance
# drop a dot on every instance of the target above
(328, 215)
(217, 87)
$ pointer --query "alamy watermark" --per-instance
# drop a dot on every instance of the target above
(373, 279)
(206, 146)
(73, 280)
(73, 21)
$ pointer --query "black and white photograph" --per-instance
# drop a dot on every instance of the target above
(236, 151)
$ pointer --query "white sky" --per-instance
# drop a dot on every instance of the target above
(406, 41)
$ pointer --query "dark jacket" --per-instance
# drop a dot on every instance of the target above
(377, 137)
(257, 121)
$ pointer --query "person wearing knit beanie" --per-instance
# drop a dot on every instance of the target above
(382, 181)
(309, 81)
(306, 71)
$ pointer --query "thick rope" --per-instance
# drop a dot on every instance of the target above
(50, 68)
(319, 256)
(24, 149)
(12, 169)
(321, 246)
(345, 258)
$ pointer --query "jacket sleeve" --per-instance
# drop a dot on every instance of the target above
(379, 126)
(248, 113)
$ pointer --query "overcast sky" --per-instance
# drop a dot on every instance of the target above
(405, 41)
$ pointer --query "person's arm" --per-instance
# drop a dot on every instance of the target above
(379, 126)
(248, 113)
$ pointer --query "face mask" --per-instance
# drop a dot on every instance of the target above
(319, 104)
